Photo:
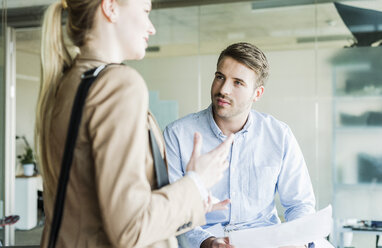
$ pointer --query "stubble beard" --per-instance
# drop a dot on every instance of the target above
(230, 111)
(224, 112)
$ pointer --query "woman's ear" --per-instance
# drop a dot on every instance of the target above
(110, 10)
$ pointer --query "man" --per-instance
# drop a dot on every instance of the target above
(264, 157)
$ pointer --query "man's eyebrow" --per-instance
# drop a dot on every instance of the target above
(236, 78)
(239, 79)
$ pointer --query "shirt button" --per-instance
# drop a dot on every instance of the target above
(233, 193)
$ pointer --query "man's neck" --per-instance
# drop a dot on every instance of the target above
(231, 124)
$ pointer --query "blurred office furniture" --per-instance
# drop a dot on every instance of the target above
(40, 207)
(26, 201)
(364, 227)
(357, 139)
(369, 168)
(368, 118)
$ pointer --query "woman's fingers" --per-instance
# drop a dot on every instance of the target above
(210, 166)
(224, 147)
(221, 205)
(197, 145)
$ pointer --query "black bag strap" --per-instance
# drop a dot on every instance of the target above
(75, 119)
(88, 79)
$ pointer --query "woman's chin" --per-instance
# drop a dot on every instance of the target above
(141, 56)
(137, 56)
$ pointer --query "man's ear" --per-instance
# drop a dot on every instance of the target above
(110, 10)
(258, 93)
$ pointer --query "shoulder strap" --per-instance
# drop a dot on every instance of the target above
(88, 79)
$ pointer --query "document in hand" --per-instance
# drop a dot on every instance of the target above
(301, 231)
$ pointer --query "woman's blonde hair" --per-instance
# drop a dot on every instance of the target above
(56, 59)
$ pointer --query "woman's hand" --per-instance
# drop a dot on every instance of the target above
(212, 205)
(210, 166)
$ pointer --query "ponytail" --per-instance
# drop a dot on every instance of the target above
(55, 58)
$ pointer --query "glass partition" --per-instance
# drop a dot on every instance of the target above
(2, 117)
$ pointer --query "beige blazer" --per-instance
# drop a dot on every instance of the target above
(111, 200)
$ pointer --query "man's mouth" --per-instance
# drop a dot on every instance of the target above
(222, 102)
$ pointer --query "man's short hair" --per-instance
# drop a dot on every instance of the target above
(251, 56)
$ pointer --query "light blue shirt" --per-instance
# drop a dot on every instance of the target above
(264, 157)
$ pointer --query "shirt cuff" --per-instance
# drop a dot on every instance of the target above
(202, 189)
(193, 238)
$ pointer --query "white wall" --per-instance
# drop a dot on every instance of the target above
(27, 88)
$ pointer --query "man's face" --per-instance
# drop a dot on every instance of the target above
(233, 89)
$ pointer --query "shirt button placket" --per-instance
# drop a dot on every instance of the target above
(232, 180)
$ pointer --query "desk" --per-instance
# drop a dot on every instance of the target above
(26, 201)
(366, 230)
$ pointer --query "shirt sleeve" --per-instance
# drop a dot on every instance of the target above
(294, 185)
(174, 160)
(196, 236)
(133, 214)
(193, 238)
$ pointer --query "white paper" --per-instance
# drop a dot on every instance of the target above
(310, 228)
(322, 243)
(216, 230)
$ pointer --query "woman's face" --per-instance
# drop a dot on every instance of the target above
(134, 28)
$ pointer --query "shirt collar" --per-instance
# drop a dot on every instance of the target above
(215, 128)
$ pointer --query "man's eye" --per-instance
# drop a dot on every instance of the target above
(219, 77)
(238, 83)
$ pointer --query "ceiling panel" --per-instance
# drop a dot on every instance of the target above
(196, 29)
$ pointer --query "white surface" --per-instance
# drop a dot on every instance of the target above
(298, 232)
(26, 202)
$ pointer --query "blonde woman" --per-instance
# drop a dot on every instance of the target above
(111, 198)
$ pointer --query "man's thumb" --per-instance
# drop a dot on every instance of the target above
(226, 240)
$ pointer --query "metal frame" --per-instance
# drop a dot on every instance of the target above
(10, 132)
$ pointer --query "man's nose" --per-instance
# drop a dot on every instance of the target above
(225, 88)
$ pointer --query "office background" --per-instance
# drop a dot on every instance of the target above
(327, 91)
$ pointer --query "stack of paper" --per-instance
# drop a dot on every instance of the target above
(297, 232)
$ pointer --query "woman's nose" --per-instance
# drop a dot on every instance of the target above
(152, 30)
